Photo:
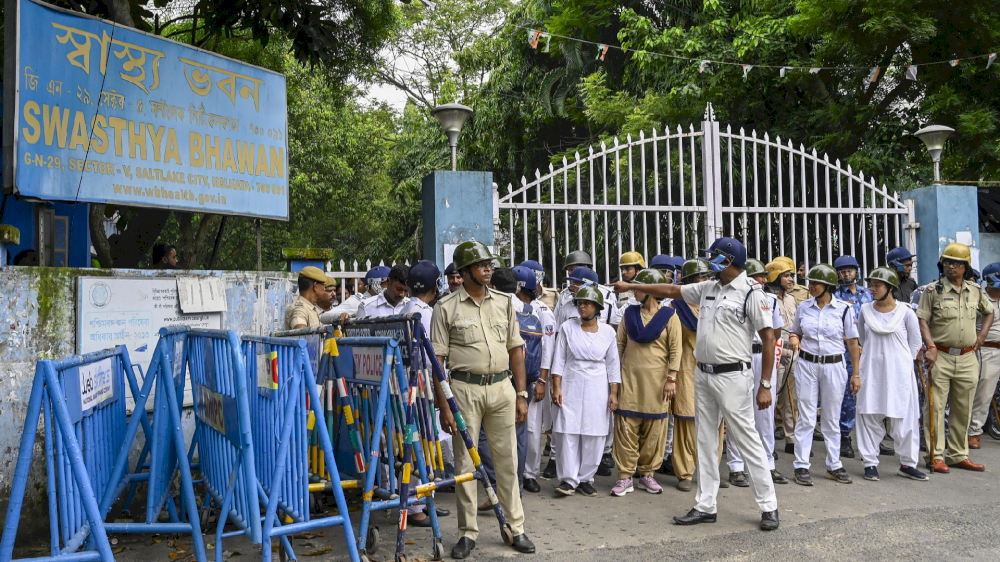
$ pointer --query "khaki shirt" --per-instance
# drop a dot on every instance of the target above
(683, 402)
(787, 305)
(302, 312)
(951, 315)
(550, 297)
(475, 338)
(645, 366)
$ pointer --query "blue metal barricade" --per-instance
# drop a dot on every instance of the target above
(222, 436)
(88, 437)
(285, 407)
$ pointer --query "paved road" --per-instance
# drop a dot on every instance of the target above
(954, 516)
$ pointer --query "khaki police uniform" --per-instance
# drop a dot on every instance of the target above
(302, 311)
(989, 374)
(785, 381)
(729, 316)
(476, 339)
(950, 314)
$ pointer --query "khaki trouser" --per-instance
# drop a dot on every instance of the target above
(989, 373)
(492, 407)
(953, 382)
(783, 406)
(639, 444)
(685, 456)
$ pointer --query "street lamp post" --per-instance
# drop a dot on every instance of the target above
(452, 116)
(934, 137)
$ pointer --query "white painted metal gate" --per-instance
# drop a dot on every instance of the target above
(674, 192)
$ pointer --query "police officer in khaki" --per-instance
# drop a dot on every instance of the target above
(304, 312)
(947, 315)
(476, 330)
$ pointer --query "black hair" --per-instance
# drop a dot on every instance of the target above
(160, 251)
(399, 272)
(504, 280)
(305, 283)
(546, 279)
(531, 294)
(26, 257)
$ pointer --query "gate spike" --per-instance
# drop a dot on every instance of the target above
(654, 132)
(742, 132)
(729, 129)
(628, 138)
(590, 149)
(577, 155)
(342, 266)
(552, 167)
(538, 174)
(368, 264)
(565, 162)
(642, 135)
(680, 130)
(604, 147)
(815, 156)
(616, 141)
(753, 133)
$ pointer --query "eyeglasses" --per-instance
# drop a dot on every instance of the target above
(483, 265)
(952, 263)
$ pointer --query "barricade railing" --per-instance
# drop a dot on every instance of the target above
(286, 413)
(389, 403)
(222, 436)
(88, 437)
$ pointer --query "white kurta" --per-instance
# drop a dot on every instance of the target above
(587, 363)
(888, 387)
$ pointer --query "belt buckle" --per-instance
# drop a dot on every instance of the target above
(484, 380)
(708, 368)
(955, 351)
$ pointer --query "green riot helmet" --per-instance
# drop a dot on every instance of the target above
(885, 275)
(497, 262)
(824, 273)
(468, 253)
(650, 276)
(592, 294)
(755, 267)
(695, 267)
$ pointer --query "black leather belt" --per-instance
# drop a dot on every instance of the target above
(821, 359)
(758, 348)
(481, 380)
(723, 367)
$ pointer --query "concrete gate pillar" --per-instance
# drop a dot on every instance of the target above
(946, 214)
(457, 206)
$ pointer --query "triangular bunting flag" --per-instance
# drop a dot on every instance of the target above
(989, 61)
(602, 51)
(535, 36)
(953, 62)
(783, 69)
(548, 41)
(911, 72)
(814, 70)
(873, 76)
(701, 67)
(746, 69)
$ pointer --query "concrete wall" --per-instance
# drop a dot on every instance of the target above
(946, 214)
(38, 318)
(989, 248)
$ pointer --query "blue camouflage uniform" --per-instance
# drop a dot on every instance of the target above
(848, 409)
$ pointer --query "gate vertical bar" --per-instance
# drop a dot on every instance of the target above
(712, 164)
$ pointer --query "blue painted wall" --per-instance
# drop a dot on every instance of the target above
(457, 206)
(989, 248)
(942, 211)
(21, 214)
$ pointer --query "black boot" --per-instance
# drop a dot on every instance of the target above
(606, 466)
(668, 466)
(846, 449)
(550, 470)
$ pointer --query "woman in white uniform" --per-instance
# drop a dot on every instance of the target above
(585, 377)
(890, 340)
(822, 326)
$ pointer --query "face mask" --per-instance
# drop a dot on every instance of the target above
(718, 263)
(992, 281)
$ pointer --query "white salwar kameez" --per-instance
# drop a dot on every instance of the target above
(890, 342)
(588, 363)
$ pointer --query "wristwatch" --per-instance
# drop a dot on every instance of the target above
(523, 394)
(766, 384)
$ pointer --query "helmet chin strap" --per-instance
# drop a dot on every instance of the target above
(588, 319)
(475, 280)
(888, 291)
(826, 289)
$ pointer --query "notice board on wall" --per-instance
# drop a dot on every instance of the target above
(130, 312)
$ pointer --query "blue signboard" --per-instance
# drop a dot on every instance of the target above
(111, 114)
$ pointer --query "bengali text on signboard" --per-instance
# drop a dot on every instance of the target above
(112, 114)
